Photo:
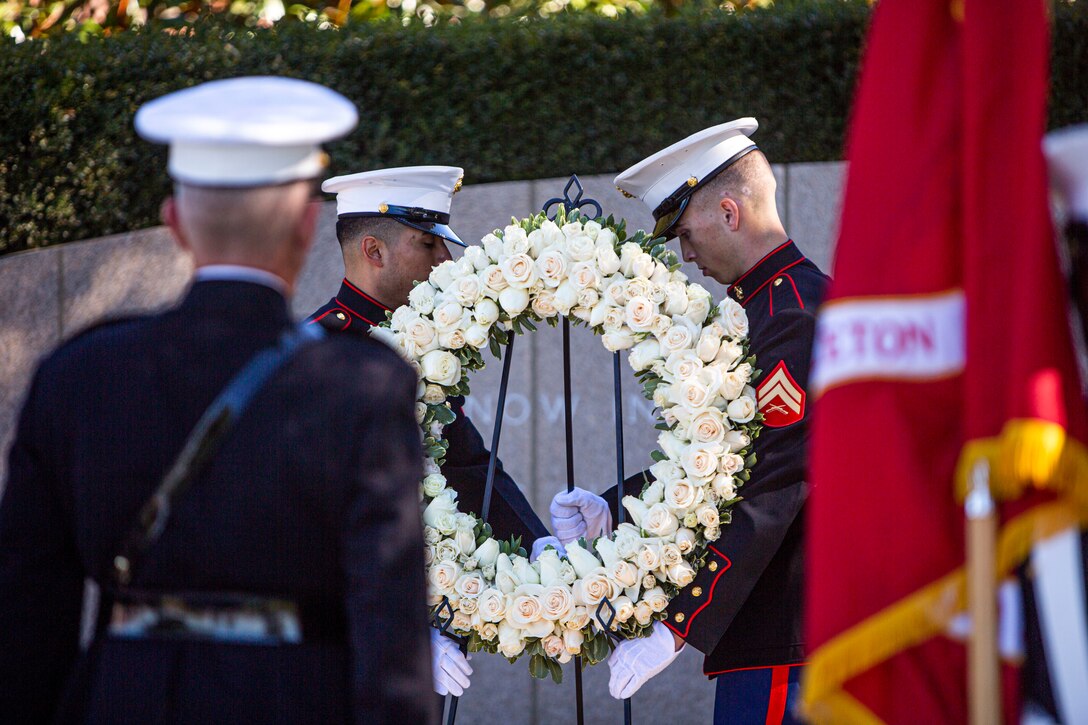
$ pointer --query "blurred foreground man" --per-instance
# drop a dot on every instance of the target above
(393, 228)
(277, 574)
(715, 191)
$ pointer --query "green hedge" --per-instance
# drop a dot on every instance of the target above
(506, 100)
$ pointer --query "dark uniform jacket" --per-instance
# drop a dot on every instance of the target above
(743, 609)
(313, 497)
(352, 310)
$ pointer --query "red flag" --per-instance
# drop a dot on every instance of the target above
(944, 340)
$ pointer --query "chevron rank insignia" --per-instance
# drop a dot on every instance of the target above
(781, 399)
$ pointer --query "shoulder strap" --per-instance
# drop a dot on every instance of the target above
(204, 440)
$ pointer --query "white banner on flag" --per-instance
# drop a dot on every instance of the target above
(889, 338)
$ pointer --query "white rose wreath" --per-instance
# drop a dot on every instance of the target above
(693, 361)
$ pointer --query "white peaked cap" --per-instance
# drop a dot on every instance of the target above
(419, 196)
(675, 173)
(1067, 154)
(244, 132)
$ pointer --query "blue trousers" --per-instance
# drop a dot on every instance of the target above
(760, 696)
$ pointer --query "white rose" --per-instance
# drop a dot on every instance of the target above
(732, 385)
(468, 290)
(447, 314)
(624, 572)
(666, 472)
(433, 394)
(692, 394)
(681, 574)
(566, 296)
(487, 553)
(556, 602)
(588, 299)
(442, 275)
(590, 590)
(644, 354)
(639, 313)
(492, 605)
(519, 271)
(639, 287)
(584, 275)
(439, 513)
(434, 484)
(544, 304)
(683, 364)
(607, 259)
(676, 337)
(660, 326)
(685, 540)
(444, 575)
(580, 247)
(724, 486)
(447, 550)
(511, 640)
(492, 246)
(660, 521)
(552, 267)
(708, 426)
(591, 229)
(636, 509)
(441, 367)
(477, 257)
(672, 446)
(572, 641)
(708, 345)
(642, 265)
(451, 339)
(486, 312)
(422, 298)
(525, 571)
(476, 336)
(525, 607)
(470, 586)
(624, 609)
(656, 599)
(514, 240)
(617, 340)
(514, 300)
(698, 308)
(742, 410)
(708, 515)
(700, 461)
(493, 281)
(615, 290)
(730, 463)
(553, 646)
(670, 555)
(613, 319)
(628, 252)
(644, 614)
(676, 298)
(466, 541)
(732, 318)
(681, 494)
(649, 557)
(583, 561)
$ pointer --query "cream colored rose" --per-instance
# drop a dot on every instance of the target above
(581, 248)
(444, 575)
(447, 314)
(492, 246)
(624, 573)
(639, 287)
(708, 345)
(572, 640)
(588, 299)
(677, 337)
(742, 410)
(732, 385)
(544, 304)
(712, 533)
(613, 319)
(421, 412)
(666, 472)
(514, 300)
(642, 265)
(519, 271)
(556, 601)
(511, 640)
(428, 555)
(670, 555)
(644, 614)
(676, 298)
(660, 521)
(470, 586)
(421, 333)
(732, 318)
(736, 441)
(649, 557)
(662, 396)
(724, 486)
(447, 550)
(708, 515)
(660, 326)
(614, 341)
(681, 574)
(681, 494)
(493, 280)
(469, 606)
(615, 290)
(656, 599)
(441, 277)
(708, 426)
(476, 336)
(700, 461)
(584, 275)
(590, 590)
(644, 354)
(467, 290)
(649, 581)
(566, 297)
(636, 509)
(692, 394)
(607, 259)
(730, 464)
(441, 368)
(451, 339)
(553, 646)
(685, 540)
(683, 364)
(552, 267)
(639, 313)
(624, 609)
(525, 606)
(492, 605)
(698, 309)
(434, 394)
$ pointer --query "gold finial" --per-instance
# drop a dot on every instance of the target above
(624, 192)
(692, 181)
(383, 208)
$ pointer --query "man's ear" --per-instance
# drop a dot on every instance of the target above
(374, 250)
(731, 213)
(168, 212)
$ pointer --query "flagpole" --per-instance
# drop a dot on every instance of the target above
(984, 686)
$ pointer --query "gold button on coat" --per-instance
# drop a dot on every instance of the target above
(713, 566)
(340, 316)
(696, 591)
(679, 617)
(778, 282)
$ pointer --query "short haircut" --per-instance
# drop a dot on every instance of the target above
(249, 219)
(350, 230)
(750, 179)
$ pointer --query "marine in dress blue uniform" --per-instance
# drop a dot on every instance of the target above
(419, 198)
(312, 499)
(743, 610)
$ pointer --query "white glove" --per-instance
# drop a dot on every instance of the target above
(449, 666)
(579, 513)
(635, 661)
(544, 542)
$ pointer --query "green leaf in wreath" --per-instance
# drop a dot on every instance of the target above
(750, 460)
(556, 671)
(493, 344)
(658, 456)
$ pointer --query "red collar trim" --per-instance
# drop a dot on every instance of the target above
(762, 259)
(366, 296)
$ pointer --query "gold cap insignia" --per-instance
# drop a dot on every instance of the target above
(383, 208)
(457, 186)
(692, 181)
(629, 196)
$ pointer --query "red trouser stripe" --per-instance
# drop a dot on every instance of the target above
(780, 688)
